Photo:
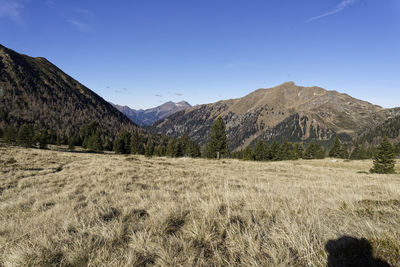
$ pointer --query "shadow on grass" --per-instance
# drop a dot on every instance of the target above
(348, 251)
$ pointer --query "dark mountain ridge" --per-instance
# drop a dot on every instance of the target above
(35, 91)
(149, 116)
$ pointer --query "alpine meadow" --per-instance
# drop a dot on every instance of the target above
(200, 133)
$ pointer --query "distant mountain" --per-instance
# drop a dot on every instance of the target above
(149, 116)
(286, 112)
(34, 91)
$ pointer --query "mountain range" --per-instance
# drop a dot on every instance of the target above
(149, 116)
(34, 91)
(286, 112)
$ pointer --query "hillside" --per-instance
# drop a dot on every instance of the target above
(34, 91)
(286, 112)
(389, 128)
(149, 116)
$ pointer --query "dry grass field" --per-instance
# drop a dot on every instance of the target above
(77, 209)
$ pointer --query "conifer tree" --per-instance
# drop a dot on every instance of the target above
(384, 159)
(71, 144)
(194, 150)
(172, 149)
(122, 143)
(25, 135)
(358, 152)
(344, 153)
(41, 138)
(10, 134)
(137, 144)
(95, 143)
(336, 150)
(218, 142)
(314, 151)
(297, 151)
(260, 151)
(149, 150)
(285, 150)
(273, 151)
(248, 153)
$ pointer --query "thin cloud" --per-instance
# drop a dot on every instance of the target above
(158, 95)
(82, 19)
(178, 94)
(342, 5)
(79, 25)
(11, 10)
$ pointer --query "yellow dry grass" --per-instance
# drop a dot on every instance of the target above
(76, 209)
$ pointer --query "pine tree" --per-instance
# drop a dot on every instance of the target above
(248, 154)
(122, 145)
(297, 151)
(149, 150)
(384, 159)
(314, 151)
(273, 151)
(25, 136)
(194, 150)
(10, 134)
(172, 149)
(336, 150)
(356, 153)
(344, 153)
(95, 143)
(260, 151)
(218, 142)
(41, 138)
(285, 151)
(71, 145)
(137, 144)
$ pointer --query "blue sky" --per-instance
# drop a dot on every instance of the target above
(141, 53)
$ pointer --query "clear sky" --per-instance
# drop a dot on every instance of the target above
(143, 52)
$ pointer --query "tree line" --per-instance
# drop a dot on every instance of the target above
(91, 138)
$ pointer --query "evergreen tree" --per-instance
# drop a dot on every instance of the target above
(184, 145)
(336, 150)
(194, 150)
(85, 142)
(71, 145)
(314, 151)
(95, 143)
(344, 153)
(172, 149)
(285, 151)
(41, 138)
(297, 151)
(10, 134)
(25, 136)
(384, 159)
(122, 145)
(109, 145)
(137, 144)
(273, 151)
(149, 150)
(260, 151)
(218, 142)
(248, 153)
(358, 152)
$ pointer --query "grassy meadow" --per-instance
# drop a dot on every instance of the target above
(81, 209)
